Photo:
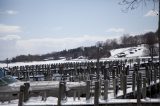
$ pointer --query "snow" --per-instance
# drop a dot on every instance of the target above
(37, 101)
(43, 62)
(12, 103)
(129, 52)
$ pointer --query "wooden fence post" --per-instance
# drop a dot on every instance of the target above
(121, 81)
(124, 85)
(105, 89)
(147, 75)
(26, 91)
(21, 96)
(74, 95)
(88, 90)
(133, 83)
(138, 89)
(96, 94)
(60, 93)
(144, 88)
(115, 88)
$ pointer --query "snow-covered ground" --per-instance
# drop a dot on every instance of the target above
(43, 62)
(128, 52)
(37, 101)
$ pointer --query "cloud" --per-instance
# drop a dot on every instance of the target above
(151, 13)
(58, 28)
(15, 45)
(9, 12)
(116, 30)
(10, 37)
(149, 30)
(45, 45)
(8, 46)
(9, 28)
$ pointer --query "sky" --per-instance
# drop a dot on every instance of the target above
(45, 26)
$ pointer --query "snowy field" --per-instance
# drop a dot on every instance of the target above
(51, 101)
(128, 52)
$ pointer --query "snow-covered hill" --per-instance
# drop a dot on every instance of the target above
(129, 52)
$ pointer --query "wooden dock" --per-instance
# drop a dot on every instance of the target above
(106, 82)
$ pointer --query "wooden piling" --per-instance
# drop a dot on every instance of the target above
(60, 93)
(133, 83)
(96, 94)
(26, 91)
(115, 84)
(144, 88)
(138, 90)
(88, 90)
(21, 95)
(105, 89)
(124, 86)
(74, 95)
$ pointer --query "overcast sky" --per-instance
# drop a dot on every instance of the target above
(42, 26)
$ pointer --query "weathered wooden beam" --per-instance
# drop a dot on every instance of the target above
(88, 89)
(21, 95)
(26, 91)
(106, 87)
(96, 94)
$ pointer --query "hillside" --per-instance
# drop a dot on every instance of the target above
(129, 52)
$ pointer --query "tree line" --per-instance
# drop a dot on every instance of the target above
(150, 39)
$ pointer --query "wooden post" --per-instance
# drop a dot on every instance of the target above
(140, 77)
(79, 92)
(121, 81)
(88, 90)
(60, 93)
(44, 95)
(96, 94)
(155, 75)
(159, 73)
(138, 90)
(144, 88)
(115, 81)
(26, 91)
(124, 85)
(21, 96)
(100, 83)
(147, 75)
(133, 83)
(74, 95)
(105, 89)
(113, 72)
(105, 74)
(64, 90)
(151, 74)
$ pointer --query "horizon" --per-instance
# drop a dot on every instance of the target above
(39, 27)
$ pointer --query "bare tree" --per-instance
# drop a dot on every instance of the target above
(124, 40)
(133, 4)
(150, 40)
